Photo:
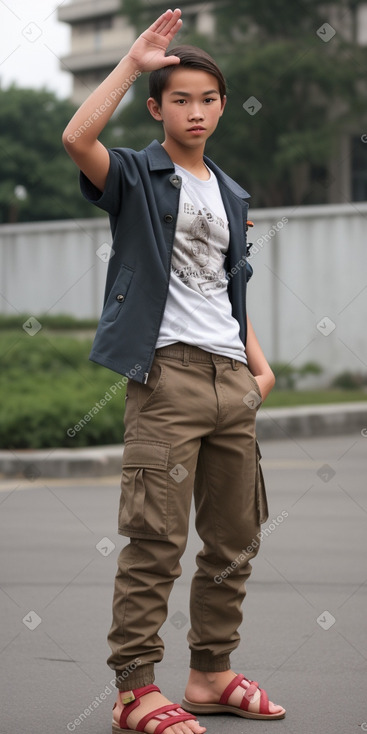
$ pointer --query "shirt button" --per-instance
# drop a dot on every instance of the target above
(120, 298)
(168, 218)
(175, 180)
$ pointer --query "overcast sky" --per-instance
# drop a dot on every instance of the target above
(31, 42)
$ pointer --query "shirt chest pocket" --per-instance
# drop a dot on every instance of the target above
(117, 295)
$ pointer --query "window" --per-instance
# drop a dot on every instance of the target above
(103, 24)
(95, 26)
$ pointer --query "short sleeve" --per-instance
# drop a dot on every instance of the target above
(110, 199)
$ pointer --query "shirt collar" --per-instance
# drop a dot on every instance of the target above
(159, 160)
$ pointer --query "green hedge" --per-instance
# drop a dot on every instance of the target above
(48, 386)
(52, 395)
(60, 321)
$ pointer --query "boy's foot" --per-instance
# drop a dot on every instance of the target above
(149, 703)
(227, 692)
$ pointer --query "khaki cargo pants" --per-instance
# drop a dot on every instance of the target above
(190, 429)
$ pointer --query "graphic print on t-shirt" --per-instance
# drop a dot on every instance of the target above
(198, 309)
(202, 237)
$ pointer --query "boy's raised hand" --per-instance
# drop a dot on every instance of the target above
(80, 136)
(148, 51)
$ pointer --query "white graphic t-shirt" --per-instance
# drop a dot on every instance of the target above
(198, 310)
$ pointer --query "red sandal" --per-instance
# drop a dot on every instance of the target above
(164, 715)
(223, 707)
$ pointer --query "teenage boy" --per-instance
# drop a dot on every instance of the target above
(174, 321)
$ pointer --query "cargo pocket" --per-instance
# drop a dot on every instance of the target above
(261, 499)
(143, 501)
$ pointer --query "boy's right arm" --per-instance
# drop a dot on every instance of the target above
(80, 137)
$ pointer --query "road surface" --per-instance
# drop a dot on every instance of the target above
(304, 634)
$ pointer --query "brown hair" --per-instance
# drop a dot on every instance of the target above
(190, 57)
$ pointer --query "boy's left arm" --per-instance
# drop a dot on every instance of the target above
(257, 362)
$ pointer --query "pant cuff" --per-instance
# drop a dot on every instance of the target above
(208, 663)
(126, 680)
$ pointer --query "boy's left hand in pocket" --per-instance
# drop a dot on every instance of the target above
(265, 383)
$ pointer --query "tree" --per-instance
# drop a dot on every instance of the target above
(267, 20)
(38, 181)
(309, 96)
(309, 88)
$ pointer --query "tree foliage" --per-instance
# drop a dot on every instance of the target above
(34, 164)
(310, 91)
(268, 20)
(310, 96)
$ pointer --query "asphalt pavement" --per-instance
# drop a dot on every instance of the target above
(304, 634)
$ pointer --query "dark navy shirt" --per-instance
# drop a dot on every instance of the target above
(141, 196)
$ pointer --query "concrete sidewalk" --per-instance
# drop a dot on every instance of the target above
(272, 424)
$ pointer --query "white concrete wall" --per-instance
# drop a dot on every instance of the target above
(309, 263)
(53, 267)
(314, 267)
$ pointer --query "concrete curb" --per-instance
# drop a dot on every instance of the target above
(96, 461)
(272, 424)
(312, 420)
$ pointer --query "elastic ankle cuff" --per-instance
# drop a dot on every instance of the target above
(208, 663)
(126, 680)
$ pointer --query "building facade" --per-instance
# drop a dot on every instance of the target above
(101, 35)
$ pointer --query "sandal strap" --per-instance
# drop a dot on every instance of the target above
(132, 701)
(230, 688)
(248, 693)
(166, 721)
(134, 693)
(264, 700)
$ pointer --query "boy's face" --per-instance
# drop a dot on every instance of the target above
(191, 107)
